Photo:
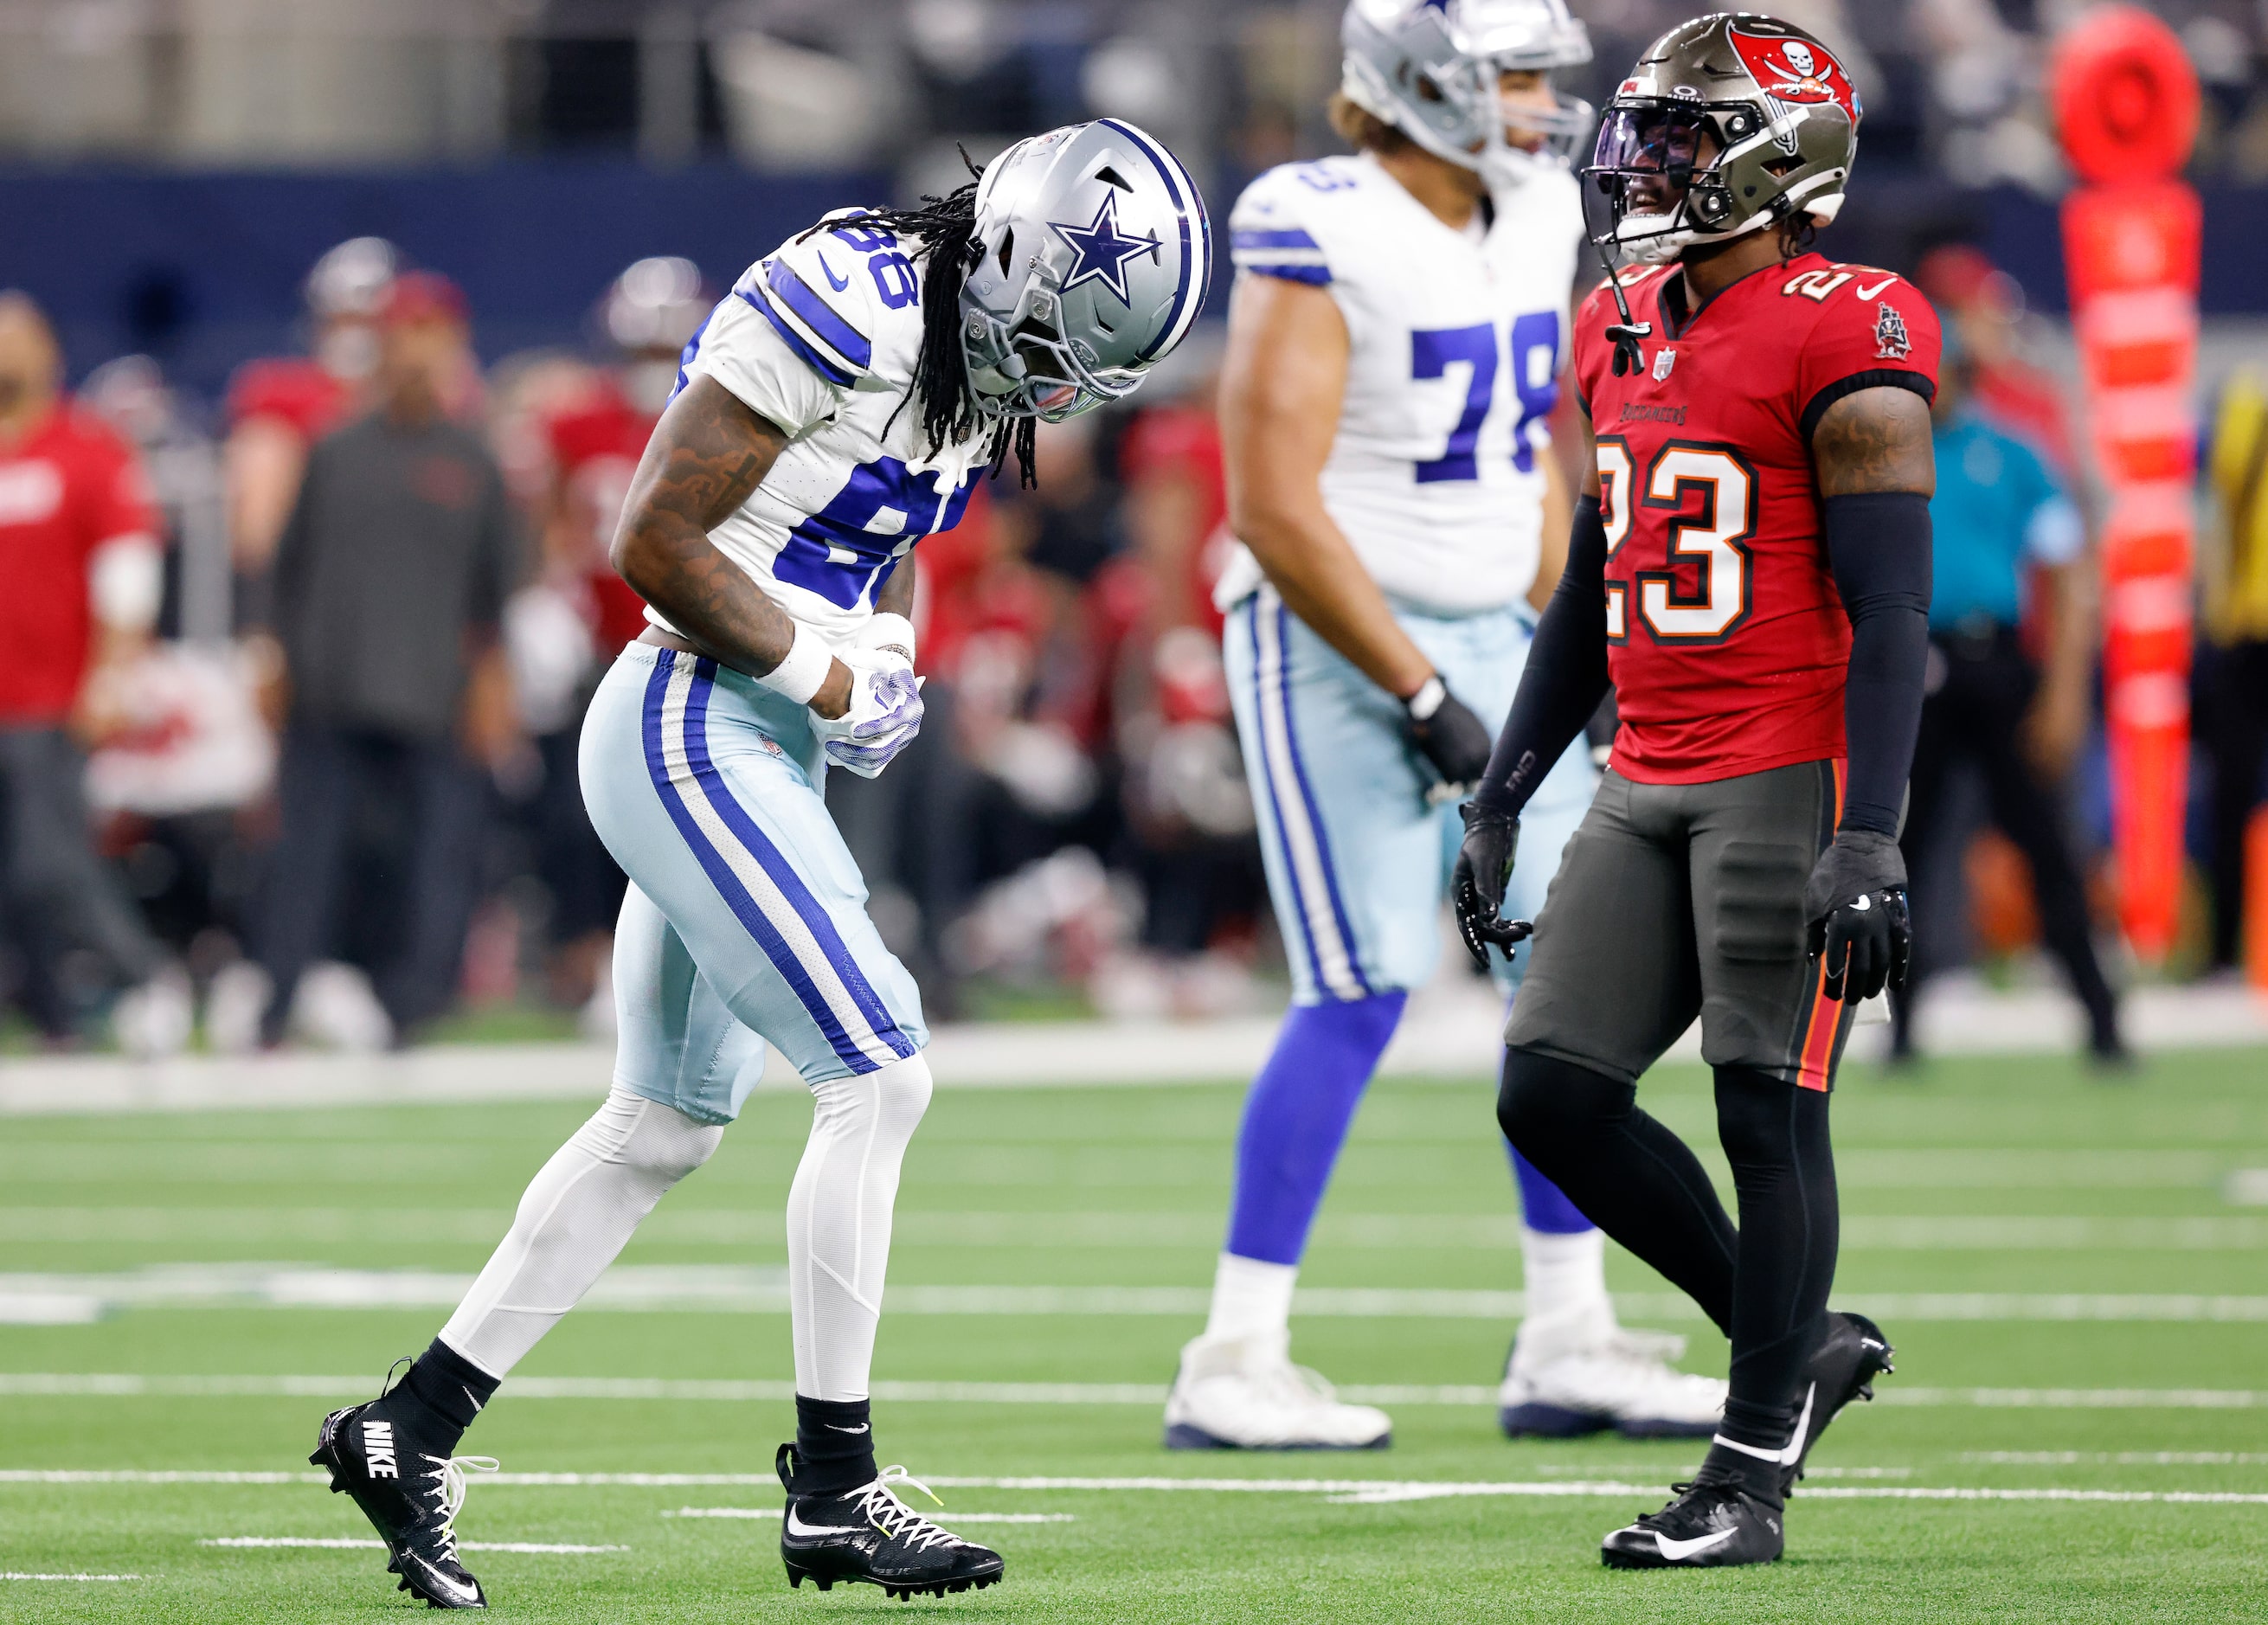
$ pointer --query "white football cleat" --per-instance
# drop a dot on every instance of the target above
(1576, 1371)
(153, 1021)
(1245, 1394)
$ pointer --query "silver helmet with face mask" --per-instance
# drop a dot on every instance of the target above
(1094, 259)
(1429, 68)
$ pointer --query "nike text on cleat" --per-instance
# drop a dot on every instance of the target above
(868, 1536)
(1712, 1525)
(1576, 1372)
(411, 1495)
(1842, 1368)
(1245, 1394)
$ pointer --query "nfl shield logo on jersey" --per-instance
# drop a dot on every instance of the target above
(1890, 341)
(1663, 360)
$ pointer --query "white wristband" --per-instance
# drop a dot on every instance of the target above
(1422, 704)
(803, 669)
(888, 631)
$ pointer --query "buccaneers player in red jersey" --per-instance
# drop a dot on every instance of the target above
(1750, 568)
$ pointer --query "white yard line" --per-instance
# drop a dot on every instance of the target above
(127, 1385)
(11, 1574)
(741, 1228)
(656, 1289)
(947, 1518)
(1342, 1491)
(2112, 1458)
(1456, 1031)
(544, 1547)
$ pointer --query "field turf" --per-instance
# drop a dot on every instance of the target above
(2079, 1250)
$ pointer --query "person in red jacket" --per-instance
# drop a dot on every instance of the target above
(79, 552)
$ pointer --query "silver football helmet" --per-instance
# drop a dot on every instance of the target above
(1429, 68)
(1096, 257)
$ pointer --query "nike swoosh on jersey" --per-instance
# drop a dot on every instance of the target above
(1875, 292)
(1676, 1551)
(840, 282)
(797, 1526)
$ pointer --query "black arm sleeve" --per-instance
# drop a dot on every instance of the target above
(1878, 545)
(1565, 676)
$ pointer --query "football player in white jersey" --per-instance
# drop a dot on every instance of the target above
(836, 407)
(1395, 338)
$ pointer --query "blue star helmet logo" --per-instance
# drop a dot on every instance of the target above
(1102, 253)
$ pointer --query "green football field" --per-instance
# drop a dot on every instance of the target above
(2072, 1269)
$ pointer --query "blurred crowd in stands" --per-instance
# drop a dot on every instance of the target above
(290, 687)
(322, 655)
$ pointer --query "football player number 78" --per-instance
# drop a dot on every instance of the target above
(1710, 535)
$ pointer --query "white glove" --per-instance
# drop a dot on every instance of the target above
(884, 714)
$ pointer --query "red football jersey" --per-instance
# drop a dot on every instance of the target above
(67, 487)
(597, 449)
(1725, 636)
(292, 389)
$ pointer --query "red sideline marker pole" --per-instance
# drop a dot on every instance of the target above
(2126, 107)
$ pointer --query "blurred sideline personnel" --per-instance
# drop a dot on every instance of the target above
(1983, 306)
(2233, 658)
(566, 628)
(390, 578)
(80, 555)
(279, 406)
(839, 405)
(1395, 346)
(1750, 568)
(1999, 516)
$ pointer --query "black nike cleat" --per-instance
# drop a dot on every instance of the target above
(1840, 1369)
(411, 1498)
(1713, 1526)
(868, 1535)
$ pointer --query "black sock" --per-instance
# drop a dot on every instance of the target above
(1761, 1478)
(833, 1447)
(1630, 1175)
(1775, 1136)
(446, 1391)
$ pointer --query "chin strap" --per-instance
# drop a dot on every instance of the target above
(1628, 357)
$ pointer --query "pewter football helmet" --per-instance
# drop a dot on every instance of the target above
(1429, 68)
(1096, 256)
(1747, 119)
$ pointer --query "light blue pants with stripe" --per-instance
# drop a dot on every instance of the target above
(745, 921)
(1358, 862)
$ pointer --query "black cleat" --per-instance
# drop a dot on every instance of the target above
(410, 1497)
(868, 1535)
(1713, 1526)
(1840, 1369)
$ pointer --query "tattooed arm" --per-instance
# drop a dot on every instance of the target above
(708, 452)
(1873, 456)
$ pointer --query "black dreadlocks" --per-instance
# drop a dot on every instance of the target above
(946, 232)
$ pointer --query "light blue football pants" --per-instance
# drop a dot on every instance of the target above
(746, 919)
(1358, 860)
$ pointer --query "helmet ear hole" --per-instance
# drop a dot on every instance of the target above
(1007, 240)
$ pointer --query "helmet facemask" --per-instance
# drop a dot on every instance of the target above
(1023, 367)
(1690, 156)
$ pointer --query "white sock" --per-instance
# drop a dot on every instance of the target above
(838, 1222)
(1250, 1298)
(1561, 1271)
(577, 1213)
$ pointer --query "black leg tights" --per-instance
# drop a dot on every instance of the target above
(1775, 1136)
(1630, 1175)
(1764, 1285)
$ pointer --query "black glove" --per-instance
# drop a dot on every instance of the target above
(1455, 740)
(1476, 889)
(1855, 905)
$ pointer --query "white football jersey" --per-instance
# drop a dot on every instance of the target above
(1457, 339)
(820, 338)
